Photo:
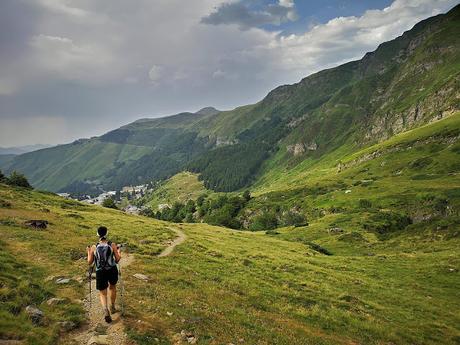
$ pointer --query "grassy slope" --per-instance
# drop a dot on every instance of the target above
(231, 286)
(56, 167)
(28, 257)
(181, 187)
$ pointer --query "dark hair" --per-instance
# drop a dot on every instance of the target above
(102, 231)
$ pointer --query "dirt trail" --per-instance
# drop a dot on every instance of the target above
(112, 333)
(181, 237)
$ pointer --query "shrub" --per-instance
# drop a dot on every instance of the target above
(421, 163)
(293, 218)
(364, 203)
(385, 222)
(264, 221)
(319, 249)
(18, 179)
(2, 177)
(247, 195)
(109, 203)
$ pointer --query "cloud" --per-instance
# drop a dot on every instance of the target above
(155, 73)
(241, 14)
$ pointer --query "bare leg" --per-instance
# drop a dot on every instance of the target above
(103, 298)
(113, 296)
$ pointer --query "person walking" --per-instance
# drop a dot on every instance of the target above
(105, 255)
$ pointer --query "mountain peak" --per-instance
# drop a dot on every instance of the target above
(207, 111)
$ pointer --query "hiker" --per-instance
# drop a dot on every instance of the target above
(105, 255)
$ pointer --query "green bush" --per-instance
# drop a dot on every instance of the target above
(264, 221)
(293, 218)
(109, 203)
(384, 222)
(18, 179)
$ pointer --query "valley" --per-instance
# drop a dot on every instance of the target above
(326, 213)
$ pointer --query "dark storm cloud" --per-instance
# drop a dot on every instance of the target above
(245, 17)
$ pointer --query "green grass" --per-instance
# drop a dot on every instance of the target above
(179, 188)
(234, 286)
(28, 257)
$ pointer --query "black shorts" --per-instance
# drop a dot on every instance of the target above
(104, 277)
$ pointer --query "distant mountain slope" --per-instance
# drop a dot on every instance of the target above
(405, 83)
(17, 150)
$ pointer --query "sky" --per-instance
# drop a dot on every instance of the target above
(77, 68)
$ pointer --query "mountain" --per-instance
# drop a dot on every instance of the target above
(17, 150)
(405, 83)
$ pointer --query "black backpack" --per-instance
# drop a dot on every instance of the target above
(104, 256)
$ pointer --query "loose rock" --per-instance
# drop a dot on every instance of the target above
(35, 314)
(54, 301)
(62, 280)
(67, 326)
(335, 230)
(141, 276)
(99, 340)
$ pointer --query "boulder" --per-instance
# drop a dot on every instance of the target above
(35, 314)
(335, 230)
(37, 223)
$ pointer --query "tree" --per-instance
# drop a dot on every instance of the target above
(18, 179)
(109, 203)
(2, 177)
(264, 221)
(247, 195)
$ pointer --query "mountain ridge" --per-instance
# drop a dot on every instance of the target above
(404, 83)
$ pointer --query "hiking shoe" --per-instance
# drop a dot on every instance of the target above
(108, 318)
(113, 310)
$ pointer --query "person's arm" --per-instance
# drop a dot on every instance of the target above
(90, 251)
(116, 252)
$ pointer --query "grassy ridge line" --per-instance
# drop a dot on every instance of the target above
(30, 258)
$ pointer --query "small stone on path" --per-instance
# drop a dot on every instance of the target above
(67, 326)
(99, 340)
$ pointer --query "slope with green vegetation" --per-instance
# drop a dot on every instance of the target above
(33, 259)
(181, 188)
(405, 83)
(304, 285)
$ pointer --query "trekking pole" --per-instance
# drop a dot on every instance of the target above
(122, 288)
(90, 276)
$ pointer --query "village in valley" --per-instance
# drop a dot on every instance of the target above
(124, 198)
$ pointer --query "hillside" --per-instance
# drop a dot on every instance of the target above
(222, 286)
(405, 83)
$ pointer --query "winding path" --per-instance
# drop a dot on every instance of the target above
(112, 333)
(181, 237)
